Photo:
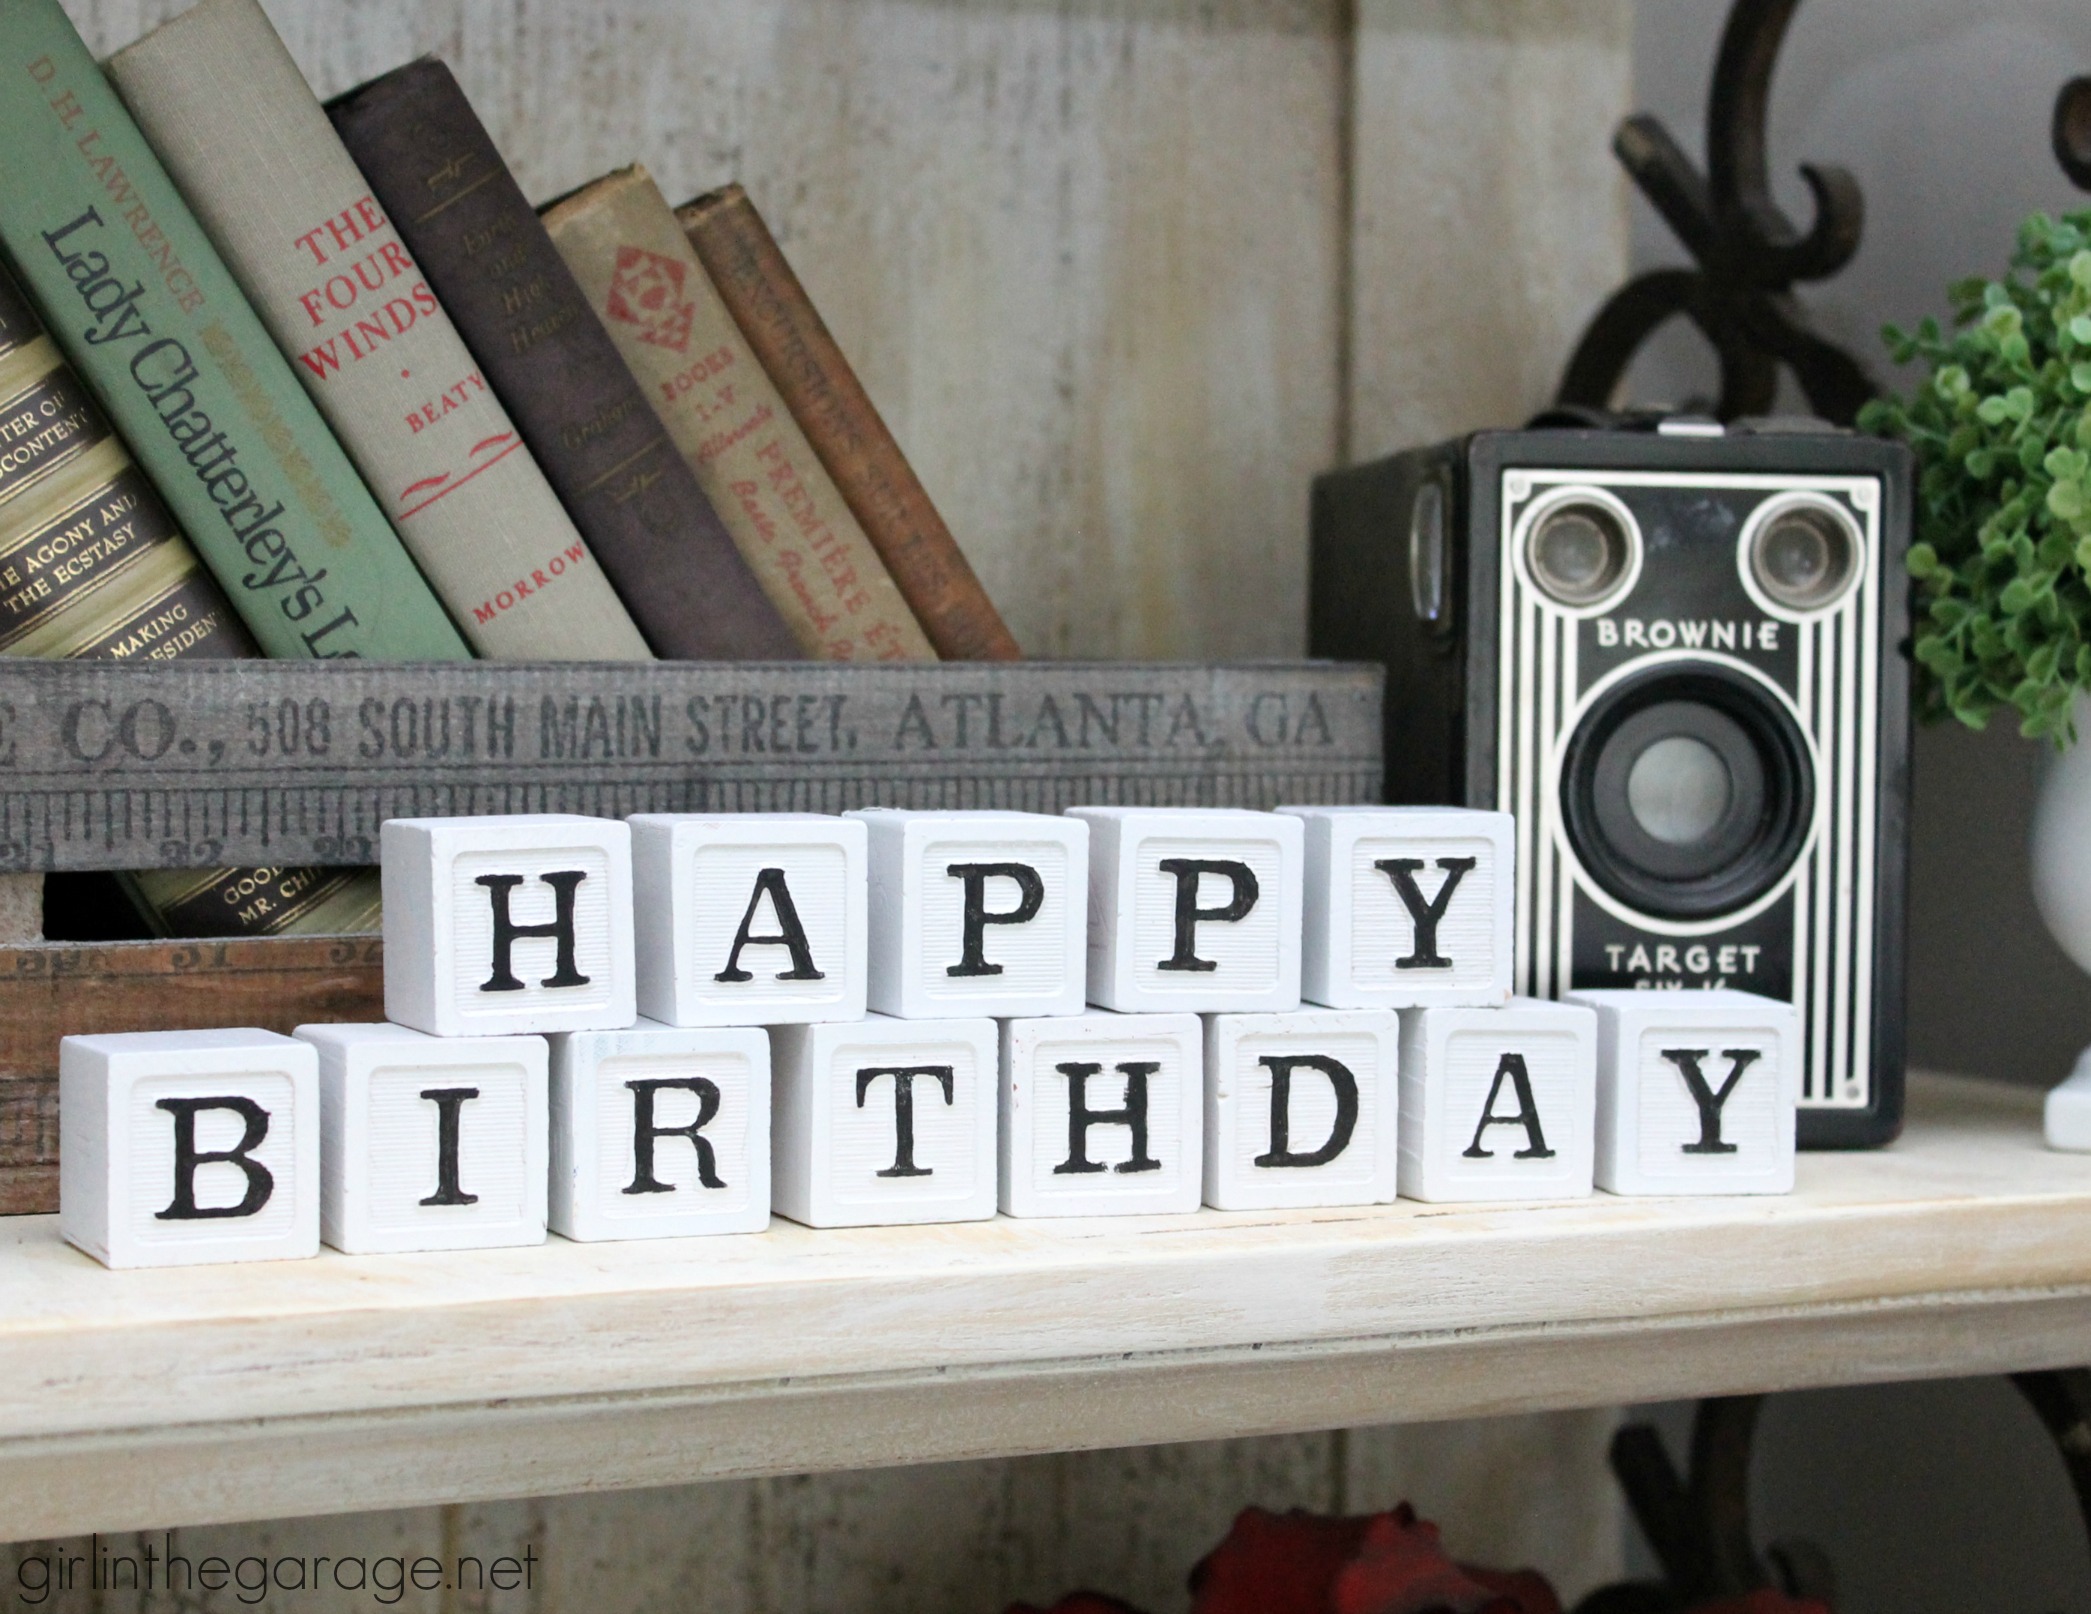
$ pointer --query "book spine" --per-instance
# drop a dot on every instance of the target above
(237, 126)
(643, 281)
(155, 325)
(801, 357)
(436, 172)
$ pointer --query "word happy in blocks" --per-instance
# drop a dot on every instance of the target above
(186, 1147)
(503, 926)
(1301, 1109)
(749, 918)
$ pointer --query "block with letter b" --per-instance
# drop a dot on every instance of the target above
(504, 926)
(1697, 1092)
(1102, 1114)
(430, 1143)
(748, 919)
(1301, 1109)
(1406, 906)
(184, 1147)
(1498, 1104)
(1193, 909)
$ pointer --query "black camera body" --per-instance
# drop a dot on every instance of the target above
(1677, 656)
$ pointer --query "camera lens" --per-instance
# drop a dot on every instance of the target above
(1578, 552)
(1805, 554)
(1678, 789)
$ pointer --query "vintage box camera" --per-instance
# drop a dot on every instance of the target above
(1677, 655)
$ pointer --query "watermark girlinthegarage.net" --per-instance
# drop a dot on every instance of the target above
(385, 1578)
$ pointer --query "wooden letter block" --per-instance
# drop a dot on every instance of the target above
(976, 912)
(749, 919)
(1193, 909)
(1498, 1104)
(186, 1147)
(1301, 1109)
(1697, 1092)
(1406, 906)
(1102, 1115)
(660, 1132)
(883, 1122)
(430, 1143)
(505, 926)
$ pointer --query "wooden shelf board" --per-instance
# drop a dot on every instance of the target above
(211, 1393)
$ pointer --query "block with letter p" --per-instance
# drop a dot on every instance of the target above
(503, 926)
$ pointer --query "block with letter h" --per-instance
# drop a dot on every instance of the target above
(1301, 1109)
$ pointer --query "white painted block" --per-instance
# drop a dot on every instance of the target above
(180, 1148)
(749, 919)
(430, 1143)
(1498, 1104)
(660, 1132)
(506, 926)
(1406, 906)
(976, 912)
(1301, 1109)
(1102, 1115)
(883, 1122)
(1697, 1092)
(1193, 909)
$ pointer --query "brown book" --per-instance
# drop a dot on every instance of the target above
(839, 420)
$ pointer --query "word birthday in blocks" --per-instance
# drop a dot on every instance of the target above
(681, 1024)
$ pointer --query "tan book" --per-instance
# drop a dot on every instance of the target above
(241, 132)
(642, 278)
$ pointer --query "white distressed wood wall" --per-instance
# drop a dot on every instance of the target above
(1122, 275)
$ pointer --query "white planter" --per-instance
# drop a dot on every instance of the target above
(2061, 843)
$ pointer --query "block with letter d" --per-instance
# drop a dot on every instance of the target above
(1697, 1092)
(503, 926)
(1301, 1109)
(184, 1147)
(1498, 1104)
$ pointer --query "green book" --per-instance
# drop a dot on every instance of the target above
(147, 312)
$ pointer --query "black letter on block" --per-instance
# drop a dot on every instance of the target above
(1080, 1117)
(260, 1182)
(506, 930)
(904, 1110)
(1030, 898)
(1188, 913)
(1402, 871)
(1281, 1067)
(1527, 1116)
(644, 1131)
(790, 933)
(448, 1101)
(1710, 1103)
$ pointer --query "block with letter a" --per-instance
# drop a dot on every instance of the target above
(749, 919)
(660, 1132)
(883, 1121)
(1697, 1092)
(1498, 1104)
(1406, 906)
(1193, 909)
(503, 926)
(1102, 1115)
(1301, 1109)
(976, 912)
(430, 1143)
(186, 1147)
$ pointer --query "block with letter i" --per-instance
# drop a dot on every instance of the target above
(748, 919)
(430, 1143)
(1498, 1104)
(660, 1132)
(1698, 1092)
(1102, 1115)
(883, 1121)
(1406, 906)
(187, 1147)
(1301, 1109)
(502, 926)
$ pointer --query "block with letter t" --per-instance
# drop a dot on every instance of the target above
(184, 1147)
(1102, 1114)
(1698, 1092)
(1301, 1109)
(503, 926)
(1498, 1104)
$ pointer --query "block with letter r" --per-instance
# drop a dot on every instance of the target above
(503, 926)
(185, 1147)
